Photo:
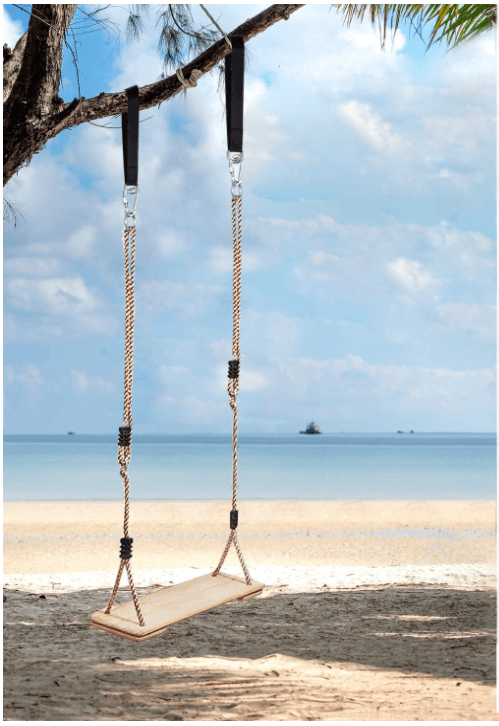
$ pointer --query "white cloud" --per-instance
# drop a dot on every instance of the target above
(28, 376)
(405, 385)
(221, 347)
(189, 297)
(222, 259)
(167, 374)
(410, 275)
(82, 383)
(353, 60)
(55, 296)
(11, 29)
(272, 120)
(445, 130)
(254, 92)
(43, 328)
(82, 242)
(444, 236)
(16, 329)
(302, 372)
(440, 119)
(251, 379)
(464, 317)
(271, 331)
(323, 258)
(170, 242)
(471, 64)
(273, 232)
(197, 411)
(33, 267)
(39, 308)
(369, 126)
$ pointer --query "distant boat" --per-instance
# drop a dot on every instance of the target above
(312, 428)
(71, 433)
(400, 432)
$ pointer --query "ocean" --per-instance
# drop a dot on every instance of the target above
(271, 466)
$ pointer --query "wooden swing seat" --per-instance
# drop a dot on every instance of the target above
(173, 604)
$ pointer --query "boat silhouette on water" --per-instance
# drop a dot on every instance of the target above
(312, 428)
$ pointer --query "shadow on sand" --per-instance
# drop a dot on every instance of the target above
(50, 647)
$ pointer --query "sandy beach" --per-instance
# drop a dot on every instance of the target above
(377, 611)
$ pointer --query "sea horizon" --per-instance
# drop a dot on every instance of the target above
(272, 467)
(258, 433)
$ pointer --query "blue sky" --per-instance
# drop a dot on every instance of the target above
(368, 299)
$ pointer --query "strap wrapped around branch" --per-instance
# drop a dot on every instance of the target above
(234, 93)
(130, 134)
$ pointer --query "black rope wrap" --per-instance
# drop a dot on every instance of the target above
(126, 548)
(233, 519)
(125, 437)
(233, 369)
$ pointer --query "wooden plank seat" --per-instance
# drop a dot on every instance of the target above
(173, 604)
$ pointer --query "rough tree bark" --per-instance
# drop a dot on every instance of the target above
(29, 108)
(33, 112)
(12, 60)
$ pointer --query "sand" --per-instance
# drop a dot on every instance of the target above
(372, 611)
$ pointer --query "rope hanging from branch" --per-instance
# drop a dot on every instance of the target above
(130, 129)
(234, 81)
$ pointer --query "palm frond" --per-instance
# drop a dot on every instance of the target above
(450, 23)
(458, 23)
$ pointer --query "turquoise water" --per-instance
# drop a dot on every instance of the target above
(271, 466)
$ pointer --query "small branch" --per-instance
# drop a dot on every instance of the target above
(62, 120)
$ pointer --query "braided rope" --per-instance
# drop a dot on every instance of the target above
(125, 452)
(233, 385)
(190, 82)
(217, 25)
(115, 589)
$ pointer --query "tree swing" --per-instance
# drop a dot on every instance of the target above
(140, 619)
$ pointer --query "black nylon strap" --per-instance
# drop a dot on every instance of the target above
(234, 93)
(130, 133)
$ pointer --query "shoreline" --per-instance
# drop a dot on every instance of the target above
(166, 500)
(49, 537)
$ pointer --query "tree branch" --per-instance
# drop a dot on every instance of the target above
(109, 104)
(34, 93)
(28, 125)
(40, 74)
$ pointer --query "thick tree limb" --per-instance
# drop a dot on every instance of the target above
(40, 74)
(33, 95)
(12, 60)
(108, 104)
(115, 103)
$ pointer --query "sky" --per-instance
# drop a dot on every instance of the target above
(368, 249)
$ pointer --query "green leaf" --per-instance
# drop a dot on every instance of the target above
(450, 23)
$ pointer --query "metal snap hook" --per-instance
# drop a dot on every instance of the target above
(131, 216)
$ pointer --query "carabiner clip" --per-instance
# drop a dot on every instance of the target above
(236, 167)
(131, 216)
